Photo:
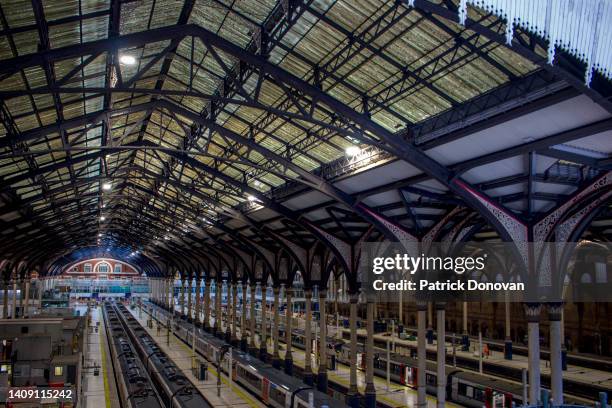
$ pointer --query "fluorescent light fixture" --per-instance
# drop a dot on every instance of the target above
(127, 60)
(353, 151)
(251, 198)
(107, 186)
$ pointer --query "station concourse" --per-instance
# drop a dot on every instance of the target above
(196, 197)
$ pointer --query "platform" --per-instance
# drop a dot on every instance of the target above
(394, 396)
(98, 390)
(575, 373)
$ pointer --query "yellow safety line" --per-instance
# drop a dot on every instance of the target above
(248, 399)
(102, 348)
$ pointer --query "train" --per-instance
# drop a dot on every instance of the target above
(466, 388)
(174, 389)
(273, 387)
(488, 390)
(134, 386)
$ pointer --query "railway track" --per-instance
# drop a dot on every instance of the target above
(167, 386)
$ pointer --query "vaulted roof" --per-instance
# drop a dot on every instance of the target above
(209, 118)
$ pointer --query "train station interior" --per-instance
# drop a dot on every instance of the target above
(194, 196)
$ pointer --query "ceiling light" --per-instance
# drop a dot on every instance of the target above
(127, 60)
(100, 234)
(102, 218)
(353, 151)
(251, 198)
(107, 186)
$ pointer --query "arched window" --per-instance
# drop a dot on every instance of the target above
(102, 267)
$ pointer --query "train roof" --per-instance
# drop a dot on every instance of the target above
(490, 382)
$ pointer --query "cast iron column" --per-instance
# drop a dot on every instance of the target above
(308, 338)
(532, 313)
(288, 330)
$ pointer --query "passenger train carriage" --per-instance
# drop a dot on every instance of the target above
(273, 387)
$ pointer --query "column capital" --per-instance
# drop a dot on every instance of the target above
(421, 305)
(308, 293)
(323, 293)
(276, 289)
(555, 310)
(354, 297)
(532, 312)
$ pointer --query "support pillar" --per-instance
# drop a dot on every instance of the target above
(465, 340)
(430, 331)
(40, 290)
(508, 342)
(26, 307)
(229, 312)
(198, 301)
(171, 295)
(157, 291)
(218, 314)
(308, 338)
(163, 286)
(189, 296)
(275, 341)
(243, 329)
(14, 302)
(532, 313)
(288, 330)
(353, 392)
(234, 338)
(21, 293)
(441, 355)
(556, 365)
(182, 297)
(253, 320)
(421, 354)
(5, 303)
(370, 390)
(322, 374)
(263, 344)
(563, 348)
(207, 295)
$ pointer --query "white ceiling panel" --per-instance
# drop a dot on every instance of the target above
(575, 112)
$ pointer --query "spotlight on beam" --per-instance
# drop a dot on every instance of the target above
(127, 59)
(353, 151)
